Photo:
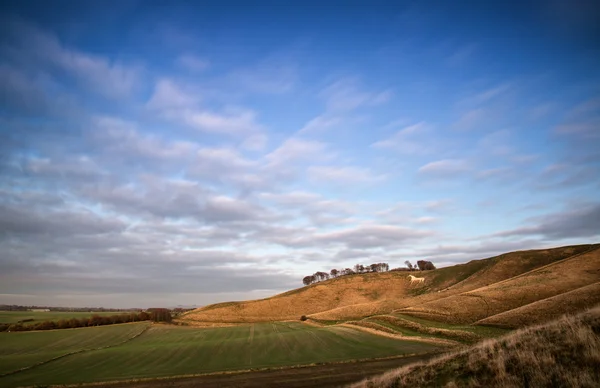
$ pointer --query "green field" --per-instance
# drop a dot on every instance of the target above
(40, 316)
(166, 350)
(21, 349)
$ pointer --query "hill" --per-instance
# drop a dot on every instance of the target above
(550, 280)
(443, 293)
(563, 353)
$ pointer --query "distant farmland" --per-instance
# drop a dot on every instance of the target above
(166, 350)
(40, 316)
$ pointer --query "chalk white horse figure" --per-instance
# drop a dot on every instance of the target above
(414, 279)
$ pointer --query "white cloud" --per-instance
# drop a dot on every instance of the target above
(409, 140)
(497, 143)
(275, 74)
(168, 95)
(296, 149)
(471, 119)
(588, 129)
(444, 167)
(320, 123)
(343, 174)
(182, 105)
(345, 95)
(231, 123)
(192, 63)
(106, 76)
(122, 139)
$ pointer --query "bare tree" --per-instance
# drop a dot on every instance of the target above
(409, 265)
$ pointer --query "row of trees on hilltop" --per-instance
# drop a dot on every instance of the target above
(422, 265)
(358, 268)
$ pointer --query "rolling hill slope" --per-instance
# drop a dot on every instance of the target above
(487, 287)
(550, 280)
(563, 353)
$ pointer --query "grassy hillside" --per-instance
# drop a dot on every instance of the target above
(544, 282)
(357, 296)
(166, 350)
(546, 309)
(342, 291)
(564, 353)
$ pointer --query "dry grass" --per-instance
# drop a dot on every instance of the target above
(545, 282)
(374, 326)
(563, 353)
(546, 309)
(357, 296)
(441, 342)
(459, 335)
(352, 290)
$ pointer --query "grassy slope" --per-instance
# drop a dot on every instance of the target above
(546, 309)
(343, 291)
(21, 349)
(40, 316)
(460, 278)
(564, 353)
(171, 350)
(356, 296)
(545, 282)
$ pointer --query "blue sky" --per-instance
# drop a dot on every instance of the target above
(160, 154)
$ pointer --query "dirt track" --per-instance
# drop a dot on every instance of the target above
(331, 375)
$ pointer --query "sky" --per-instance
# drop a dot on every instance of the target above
(159, 153)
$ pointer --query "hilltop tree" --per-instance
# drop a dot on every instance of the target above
(321, 275)
(409, 265)
(425, 265)
(307, 280)
(334, 272)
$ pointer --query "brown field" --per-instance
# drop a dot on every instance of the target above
(462, 293)
(563, 353)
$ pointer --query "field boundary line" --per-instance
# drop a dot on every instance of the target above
(75, 352)
(251, 335)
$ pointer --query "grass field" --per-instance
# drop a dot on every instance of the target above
(40, 316)
(22, 349)
(166, 350)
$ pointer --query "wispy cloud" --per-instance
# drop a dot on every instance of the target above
(444, 167)
(343, 174)
(192, 63)
(412, 139)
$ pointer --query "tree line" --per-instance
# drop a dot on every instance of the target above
(422, 265)
(154, 314)
(358, 268)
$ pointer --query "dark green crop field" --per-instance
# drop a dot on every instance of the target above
(40, 316)
(165, 350)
